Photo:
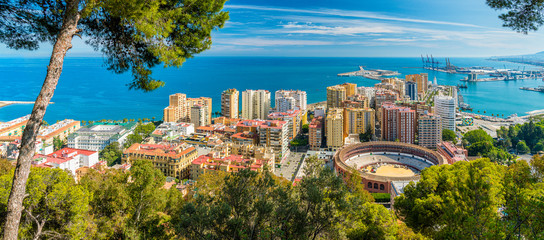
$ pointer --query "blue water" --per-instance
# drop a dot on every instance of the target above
(87, 91)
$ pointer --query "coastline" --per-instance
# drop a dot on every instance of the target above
(312, 106)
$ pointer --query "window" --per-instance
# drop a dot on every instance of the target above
(369, 185)
(375, 185)
(382, 187)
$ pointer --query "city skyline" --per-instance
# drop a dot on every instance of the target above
(353, 29)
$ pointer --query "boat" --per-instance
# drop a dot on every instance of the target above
(462, 86)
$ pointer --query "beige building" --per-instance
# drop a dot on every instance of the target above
(255, 104)
(171, 160)
(335, 96)
(292, 117)
(358, 98)
(229, 103)
(274, 134)
(246, 150)
(399, 85)
(199, 115)
(398, 123)
(14, 127)
(179, 109)
(422, 81)
(358, 120)
(351, 88)
(60, 129)
(213, 162)
(429, 131)
(334, 130)
(316, 133)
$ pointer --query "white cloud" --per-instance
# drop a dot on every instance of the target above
(261, 42)
(344, 13)
(293, 27)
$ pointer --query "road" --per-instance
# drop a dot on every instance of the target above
(290, 165)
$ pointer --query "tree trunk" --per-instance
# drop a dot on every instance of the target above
(27, 150)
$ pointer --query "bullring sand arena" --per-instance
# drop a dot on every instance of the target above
(388, 165)
(380, 163)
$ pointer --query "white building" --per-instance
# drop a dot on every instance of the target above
(67, 159)
(275, 134)
(319, 112)
(99, 135)
(10, 150)
(172, 130)
(255, 104)
(444, 107)
(370, 93)
(290, 100)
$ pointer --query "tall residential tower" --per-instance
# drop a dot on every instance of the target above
(255, 104)
(290, 100)
(229, 103)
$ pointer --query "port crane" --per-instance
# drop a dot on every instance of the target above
(430, 62)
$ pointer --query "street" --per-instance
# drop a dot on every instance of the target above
(290, 165)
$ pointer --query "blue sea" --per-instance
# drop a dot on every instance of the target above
(88, 91)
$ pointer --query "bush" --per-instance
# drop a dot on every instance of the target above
(381, 197)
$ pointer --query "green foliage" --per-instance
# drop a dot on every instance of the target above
(5, 166)
(251, 205)
(480, 148)
(480, 199)
(539, 147)
(305, 128)
(537, 164)
(366, 136)
(132, 139)
(141, 132)
(532, 134)
(55, 207)
(481, 144)
(381, 197)
(246, 205)
(500, 156)
(111, 154)
(298, 142)
(478, 135)
(449, 135)
(453, 201)
(144, 130)
(132, 205)
(520, 15)
(58, 143)
(312, 166)
(522, 148)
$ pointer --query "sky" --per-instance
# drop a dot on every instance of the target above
(355, 28)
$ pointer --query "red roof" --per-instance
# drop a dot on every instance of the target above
(70, 151)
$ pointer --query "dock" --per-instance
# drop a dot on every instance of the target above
(377, 74)
(7, 103)
(537, 89)
(494, 79)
